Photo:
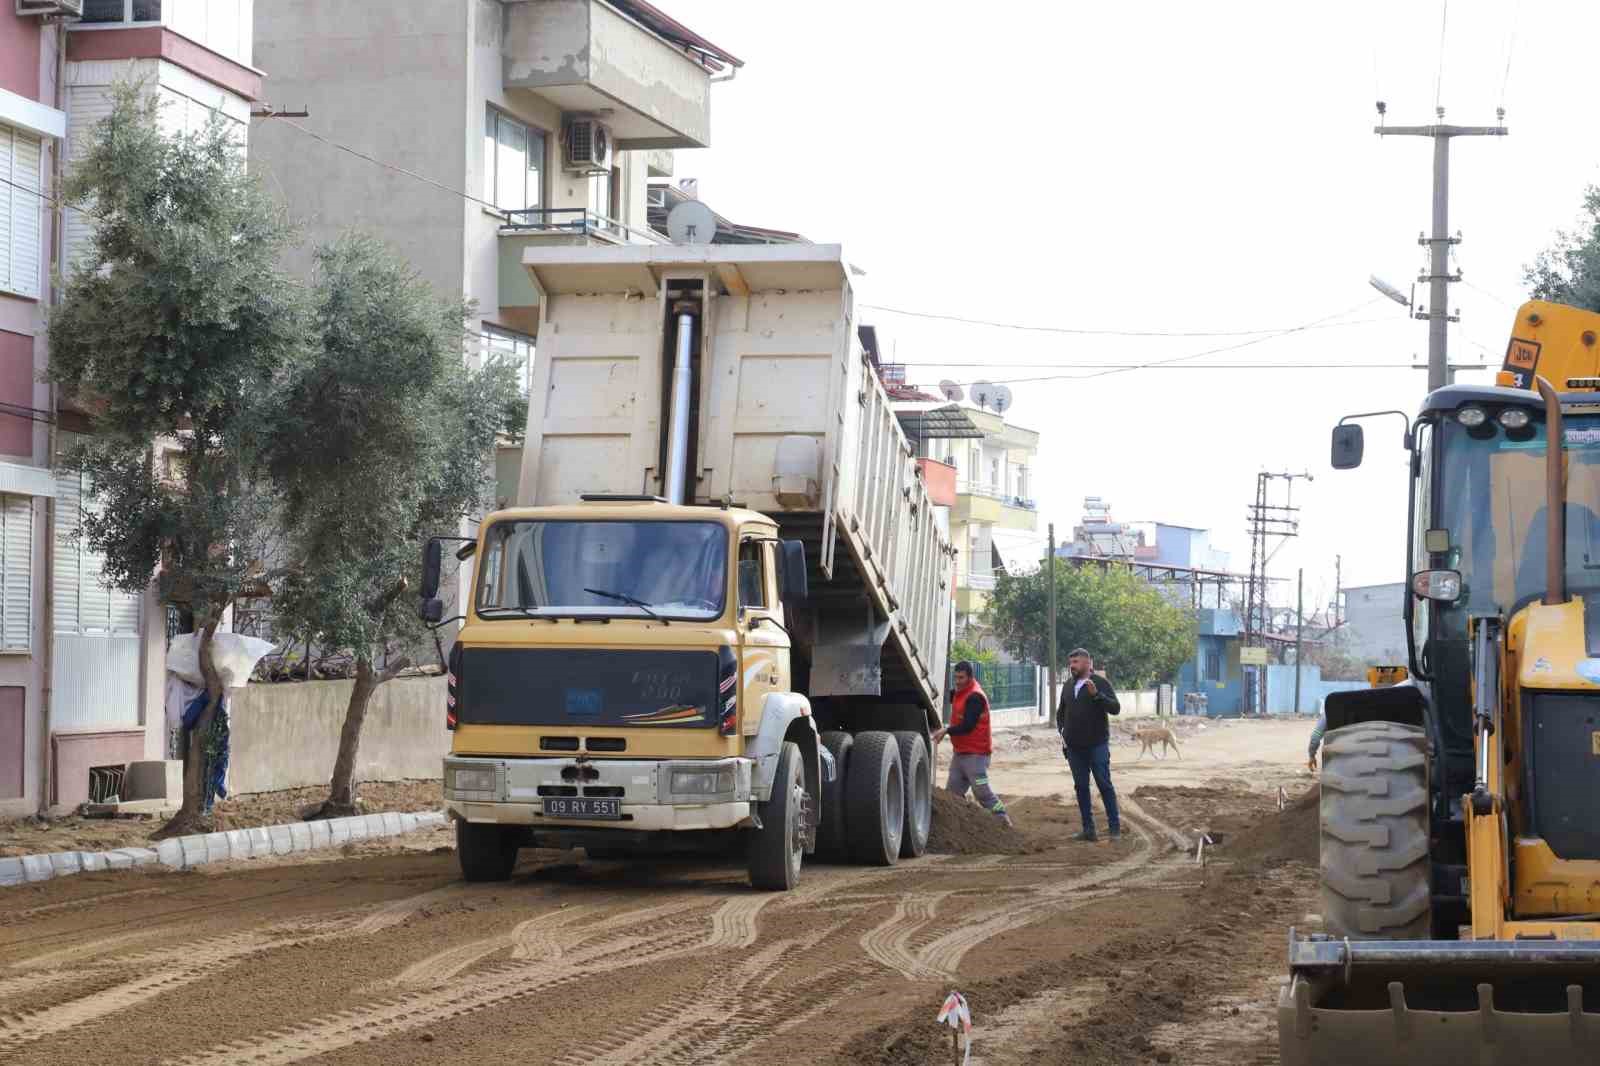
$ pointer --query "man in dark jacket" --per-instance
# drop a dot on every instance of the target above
(1081, 720)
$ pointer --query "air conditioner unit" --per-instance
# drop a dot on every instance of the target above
(50, 7)
(587, 145)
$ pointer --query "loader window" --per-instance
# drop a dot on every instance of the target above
(1492, 500)
(597, 569)
(752, 579)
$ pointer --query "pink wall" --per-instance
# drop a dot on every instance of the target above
(75, 753)
(16, 387)
(12, 741)
(19, 52)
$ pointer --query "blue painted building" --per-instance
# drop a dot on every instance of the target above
(1215, 672)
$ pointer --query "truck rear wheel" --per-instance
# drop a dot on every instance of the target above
(832, 842)
(777, 848)
(1376, 870)
(875, 792)
(487, 852)
(916, 768)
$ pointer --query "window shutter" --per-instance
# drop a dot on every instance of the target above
(26, 208)
(16, 573)
(83, 603)
(68, 560)
(7, 194)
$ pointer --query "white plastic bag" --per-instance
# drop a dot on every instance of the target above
(235, 656)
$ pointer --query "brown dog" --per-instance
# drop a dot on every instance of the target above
(1150, 736)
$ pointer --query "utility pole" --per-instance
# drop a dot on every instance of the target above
(1299, 631)
(1266, 522)
(1050, 576)
(1438, 276)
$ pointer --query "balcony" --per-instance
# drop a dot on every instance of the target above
(971, 601)
(559, 226)
(978, 501)
(647, 77)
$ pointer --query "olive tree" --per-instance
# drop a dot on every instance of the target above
(382, 436)
(175, 322)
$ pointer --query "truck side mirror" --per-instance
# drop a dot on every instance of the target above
(1348, 445)
(795, 588)
(432, 610)
(432, 565)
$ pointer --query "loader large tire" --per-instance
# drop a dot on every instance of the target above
(876, 795)
(1376, 871)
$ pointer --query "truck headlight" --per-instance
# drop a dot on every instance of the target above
(702, 782)
(472, 780)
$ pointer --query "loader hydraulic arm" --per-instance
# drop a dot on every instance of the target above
(1485, 706)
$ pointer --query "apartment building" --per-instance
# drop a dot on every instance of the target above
(104, 651)
(482, 127)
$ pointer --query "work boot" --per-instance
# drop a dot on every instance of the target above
(1115, 835)
(1085, 837)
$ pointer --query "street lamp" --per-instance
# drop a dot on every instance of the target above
(1390, 291)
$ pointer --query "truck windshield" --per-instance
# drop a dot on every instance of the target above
(1491, 499)
(671, 570)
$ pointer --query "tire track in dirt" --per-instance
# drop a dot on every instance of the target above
(889, 942)
(535, 939)
(29, 913)
(172, 968)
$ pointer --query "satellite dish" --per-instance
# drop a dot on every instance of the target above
(691, 222)
(1002, 398)
(952, 391)
(983, 394)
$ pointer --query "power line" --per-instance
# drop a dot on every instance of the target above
(388, 166)
(1198, 366)
(1438, 82)
(1511, 47)
(1075, 331)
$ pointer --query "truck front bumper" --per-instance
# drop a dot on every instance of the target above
(644, 788)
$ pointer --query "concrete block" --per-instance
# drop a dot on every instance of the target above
(37, 867)
(240, 846)
(282, 841)
(338, 832)
(64, 863)
(321, 835)
(195, 852)
(139, 856)
(11, 872)
(432, 820)
(118, 860)
(94, 861)
(356, 826)
(260, 841)
(169, 852)
(408, 821)
(217, 847)
(299, 836)
(391, 823)
(154, 779)
(375, 826)
(165, 808)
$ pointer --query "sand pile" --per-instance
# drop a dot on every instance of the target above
(1291, 836)
(961, 827)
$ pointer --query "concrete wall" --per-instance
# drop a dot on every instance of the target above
(287, 735)
(388, 78)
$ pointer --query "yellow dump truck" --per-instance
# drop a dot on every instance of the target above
(1460, 832)
(718, 617)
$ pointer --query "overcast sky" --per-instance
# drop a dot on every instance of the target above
(1165, 166)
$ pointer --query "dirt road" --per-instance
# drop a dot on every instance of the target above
(1080, 953)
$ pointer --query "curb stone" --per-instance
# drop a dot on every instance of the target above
(181, 853)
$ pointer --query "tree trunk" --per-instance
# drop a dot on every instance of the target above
(342, 788)
(191, 817)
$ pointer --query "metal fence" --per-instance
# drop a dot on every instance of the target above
(1008, 684)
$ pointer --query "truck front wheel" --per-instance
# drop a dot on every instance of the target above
(778, 846)
(875, 792)
(487, 852)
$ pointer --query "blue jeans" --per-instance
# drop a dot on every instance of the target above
(1095, 761)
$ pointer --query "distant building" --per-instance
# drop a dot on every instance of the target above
(1374, 628)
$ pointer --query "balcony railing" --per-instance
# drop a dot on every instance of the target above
(575, 222)
(985, 489)
(981, 582)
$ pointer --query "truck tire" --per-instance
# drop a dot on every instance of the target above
(778, 847)
(487, 852)
(875, 793)
(916, 769)
(832, 842)
(1376, 869)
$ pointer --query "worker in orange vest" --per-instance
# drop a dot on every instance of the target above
(969, 736)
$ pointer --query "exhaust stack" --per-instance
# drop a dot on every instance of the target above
(676, 488)
(1555, 503)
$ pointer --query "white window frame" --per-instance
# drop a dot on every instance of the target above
(127, 18)
(511, 343)
(21, 212)
(16, 574)
(82, 567)
(493, 118)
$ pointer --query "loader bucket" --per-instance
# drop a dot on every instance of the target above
(1427, 1002)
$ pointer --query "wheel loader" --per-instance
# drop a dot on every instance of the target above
(1460, 808)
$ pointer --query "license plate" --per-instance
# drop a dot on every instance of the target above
(582, 808)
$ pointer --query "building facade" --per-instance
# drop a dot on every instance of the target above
(81, 667)
(482, 127)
